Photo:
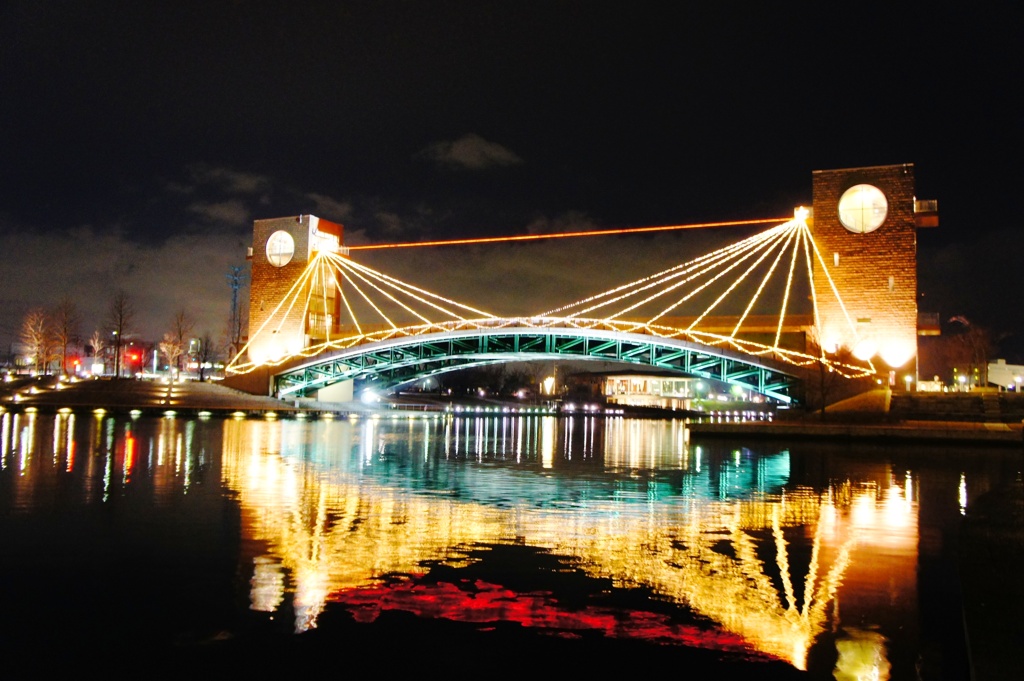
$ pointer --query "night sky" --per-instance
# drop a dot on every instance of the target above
(139, 140)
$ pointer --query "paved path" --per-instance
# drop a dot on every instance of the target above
(156, 397)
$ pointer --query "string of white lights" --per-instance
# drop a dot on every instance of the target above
(723, 256)
(739, 260)
(832, 285)
(290, 295)
(659, 277)
(348, 305)
(409, 289)
(366, 280)
(766, 251)
(790, 237)
(368, 300)
(789, 285)
(709, 262)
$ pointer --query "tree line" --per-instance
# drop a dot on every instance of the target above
(53, 343)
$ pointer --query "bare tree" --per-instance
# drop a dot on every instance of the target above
(827, 379)
(65, 321)
(120, 318)
(205, 354)
(972, 347)
(175, 342)
(98, 342)
(35, 334)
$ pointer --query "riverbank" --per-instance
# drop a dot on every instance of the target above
(879, 415)
(865, 417)
(917, 431)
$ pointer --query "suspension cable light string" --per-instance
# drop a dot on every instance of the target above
(790, 235)
(853, 371)
(739, 260)
(835, 290)
(407, 288)
(817, 606)
(418, 294)
(426, 325)
(797, 242)
(328, 312)
(373, 285)
(657, 279)
(344, 298)
(767, 245)
(369, 282)
(359, 271)
(369, 301)
(564, 235)
(695, 268)
(815, 309)
(291, 294)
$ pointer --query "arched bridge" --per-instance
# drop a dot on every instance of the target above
(319, 318)
(398, 360)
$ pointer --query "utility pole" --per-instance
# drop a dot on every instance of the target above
(236, 277)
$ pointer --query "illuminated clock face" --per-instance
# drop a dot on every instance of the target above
(862, 208)
(280, 248)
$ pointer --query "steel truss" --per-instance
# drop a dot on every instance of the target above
(397, 361)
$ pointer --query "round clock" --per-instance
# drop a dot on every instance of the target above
(862, 208)
(280, 248)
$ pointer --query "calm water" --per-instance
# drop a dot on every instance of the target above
(171, 534)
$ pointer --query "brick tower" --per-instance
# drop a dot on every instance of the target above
(865, 227)
(281, 250)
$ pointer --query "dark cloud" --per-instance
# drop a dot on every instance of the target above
(91, 265)
(232, 212)
(470, 152)
(231, 181)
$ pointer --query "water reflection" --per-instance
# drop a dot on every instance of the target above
(103, 452)
(341, 505)
(793, 556)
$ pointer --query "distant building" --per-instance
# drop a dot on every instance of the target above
(639, 389)
(1008, 376)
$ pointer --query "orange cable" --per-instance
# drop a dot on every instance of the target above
(535, 237)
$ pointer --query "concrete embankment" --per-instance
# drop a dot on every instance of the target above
(881, 415)
(920, 431)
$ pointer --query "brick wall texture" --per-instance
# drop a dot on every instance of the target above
(876, 274)
(270, 285)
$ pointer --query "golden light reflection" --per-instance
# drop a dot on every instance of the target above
(334, 526)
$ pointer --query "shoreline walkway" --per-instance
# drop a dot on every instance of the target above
(865, 417)
(881, 415)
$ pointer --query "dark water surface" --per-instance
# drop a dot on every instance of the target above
(542, 545)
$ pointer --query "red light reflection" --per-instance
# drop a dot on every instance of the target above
(481, 603)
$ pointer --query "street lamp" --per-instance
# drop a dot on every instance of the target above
(908, 379)
(963, 381)
(117, 354)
